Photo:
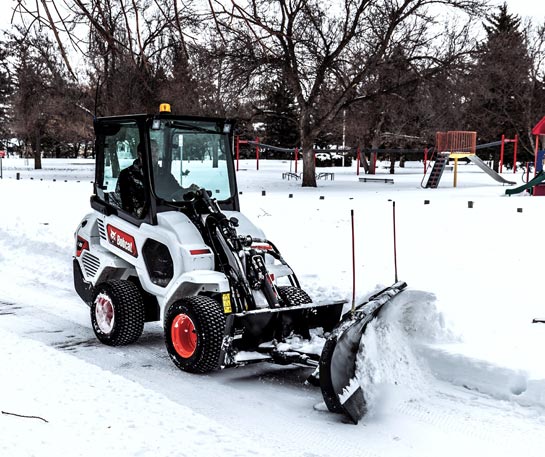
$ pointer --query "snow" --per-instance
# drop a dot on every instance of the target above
(454, 365)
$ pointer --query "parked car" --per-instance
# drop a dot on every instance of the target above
(333, 159)
(323, 159)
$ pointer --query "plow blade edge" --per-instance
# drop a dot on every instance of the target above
(338, 380)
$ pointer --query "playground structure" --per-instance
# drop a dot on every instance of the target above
(463, 145)
(449, 145)
(539, 132)
(336, 157)
(535, 186)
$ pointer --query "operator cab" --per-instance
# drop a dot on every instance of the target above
(149, 163)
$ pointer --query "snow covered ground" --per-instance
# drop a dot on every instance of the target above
(453, 367)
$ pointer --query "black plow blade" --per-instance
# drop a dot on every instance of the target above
(338, 380)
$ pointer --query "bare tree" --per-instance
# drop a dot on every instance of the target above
(6, 89)
(535, 39)
(129, 46)
(33, 70)
(328, 53)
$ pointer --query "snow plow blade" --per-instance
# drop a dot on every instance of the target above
(341, 390)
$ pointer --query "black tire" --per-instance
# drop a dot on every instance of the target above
(203, 321)
(117, 313)
(292, 295)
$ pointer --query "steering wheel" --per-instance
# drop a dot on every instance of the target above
(187, 194)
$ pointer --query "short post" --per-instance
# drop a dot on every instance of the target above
(296, 158)
(470, 204)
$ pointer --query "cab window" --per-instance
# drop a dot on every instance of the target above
(117, 143)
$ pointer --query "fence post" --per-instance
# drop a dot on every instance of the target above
(515, 153)
(257, 152)
(501, 152)
(425, 160)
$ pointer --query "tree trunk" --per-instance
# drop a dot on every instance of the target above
(309, 167)
(37, 153)
(87, 151)
(364, 163)
(372, 163)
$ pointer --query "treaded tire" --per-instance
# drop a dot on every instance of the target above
(203, 317)
(125, 322)
(292, 296)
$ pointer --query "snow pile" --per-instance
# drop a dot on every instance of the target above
(388, 363)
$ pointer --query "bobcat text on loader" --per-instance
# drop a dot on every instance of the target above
(166, 241)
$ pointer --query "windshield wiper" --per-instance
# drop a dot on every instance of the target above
(181, 125)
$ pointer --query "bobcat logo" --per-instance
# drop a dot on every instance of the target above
(122, 240)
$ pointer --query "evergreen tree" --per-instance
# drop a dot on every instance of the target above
(500, 80)
(280, 116)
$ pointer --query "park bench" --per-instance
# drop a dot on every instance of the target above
(384, 180)
(290, 175)
(325, 175)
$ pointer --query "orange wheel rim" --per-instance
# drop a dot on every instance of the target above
(184, 336)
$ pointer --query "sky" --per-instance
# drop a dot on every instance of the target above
(531, 8)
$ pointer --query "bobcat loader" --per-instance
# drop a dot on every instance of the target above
(188, 257)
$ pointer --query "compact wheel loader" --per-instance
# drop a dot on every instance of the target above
(166, 241)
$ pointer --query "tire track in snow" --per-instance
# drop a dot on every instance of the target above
(480, 417)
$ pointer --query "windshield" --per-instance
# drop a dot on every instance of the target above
(190, 153)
